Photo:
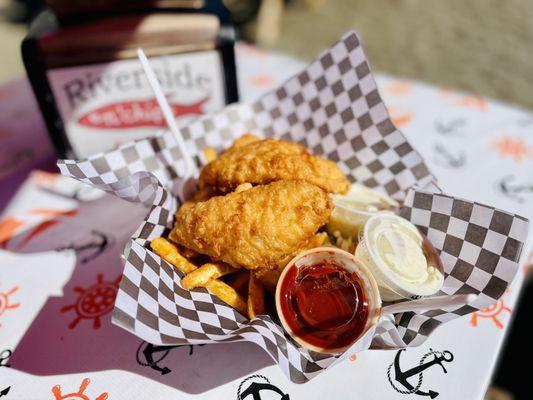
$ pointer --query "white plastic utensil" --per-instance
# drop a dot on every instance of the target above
(190, 166)
(430, 303)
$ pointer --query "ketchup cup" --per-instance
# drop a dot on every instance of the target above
(327, 300)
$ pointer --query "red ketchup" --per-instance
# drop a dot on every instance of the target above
(324, 304)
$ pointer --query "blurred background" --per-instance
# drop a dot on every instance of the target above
(481, 46)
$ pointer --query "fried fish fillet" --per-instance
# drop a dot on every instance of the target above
(254, 228)
(269, 277)
(245, 139)
(264, 161)
(202, 194)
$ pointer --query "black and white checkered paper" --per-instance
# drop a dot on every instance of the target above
(334, 109)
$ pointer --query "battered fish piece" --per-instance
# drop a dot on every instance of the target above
(245, 139)
(254, 228)
(202, 194)
(264, 161)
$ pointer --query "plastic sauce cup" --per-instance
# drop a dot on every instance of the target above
(353, 209)
(398, 285)
(327, 300)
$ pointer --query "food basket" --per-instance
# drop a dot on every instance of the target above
(334, 109)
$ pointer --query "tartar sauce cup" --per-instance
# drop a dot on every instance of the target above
(402, 261)
(354, 208)
(327, 300)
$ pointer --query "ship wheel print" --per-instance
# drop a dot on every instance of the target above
(492, 312)
(79, 395)
(5, 303)
(94, 302)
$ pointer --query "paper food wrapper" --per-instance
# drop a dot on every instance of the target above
(334, 109)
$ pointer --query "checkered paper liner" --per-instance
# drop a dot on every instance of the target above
(334, 109)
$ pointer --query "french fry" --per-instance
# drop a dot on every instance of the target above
(169, 252)
(208, 271)
(210, 154)
(256, 297)
(240, 280)
(269, 278)
(228, 295)
(243, 186)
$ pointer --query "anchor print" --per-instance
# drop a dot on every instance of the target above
(525, 121)
(150, 355)
(446, 159)
(98, 246)
(402, 377)
(255, 388)
(514, 191)
(5, 391)
(4, 358)
(449, 128)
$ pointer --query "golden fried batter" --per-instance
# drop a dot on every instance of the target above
(254, 228)
(269, 277)
(269, 160)
(245, 139)
(315, 241)
(202, 194)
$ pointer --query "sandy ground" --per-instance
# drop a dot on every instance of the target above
(483, 46)
(11, 36)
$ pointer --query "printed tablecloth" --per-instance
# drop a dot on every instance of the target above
(59, 265)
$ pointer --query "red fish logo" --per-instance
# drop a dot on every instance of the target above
(135, 114)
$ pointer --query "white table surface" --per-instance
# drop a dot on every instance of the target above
(479, 149)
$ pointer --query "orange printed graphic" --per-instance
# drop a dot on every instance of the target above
(514, 148)
(466, 101)
(528, 265)
(8, 227)
(93, 302)
(261, 80)
(400, 117)
(79, 395)
(353, 357)
(5, 302)
(472, 102)
(491, 312)
(398, 88)
(53, 212)
(42, 178)
(252, 51)
(43, 226)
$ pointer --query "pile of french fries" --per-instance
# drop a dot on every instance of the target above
(244, 291)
